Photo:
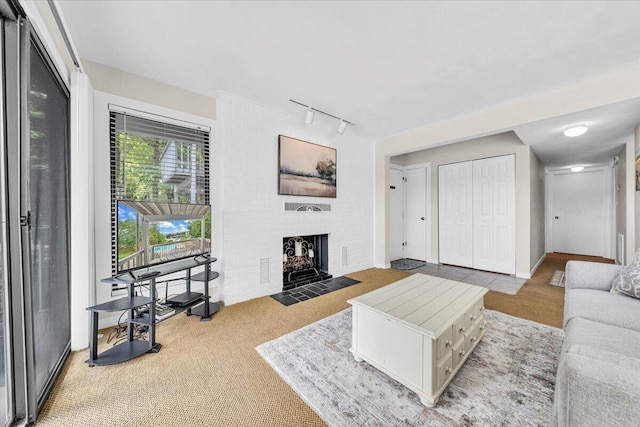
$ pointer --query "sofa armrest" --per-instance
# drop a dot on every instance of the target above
(590, 275)
(595, 387)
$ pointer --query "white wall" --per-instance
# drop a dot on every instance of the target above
(254, 222)
(625, 191)
(489, 146)
(132, 86)
(82, 209)
(537, 207)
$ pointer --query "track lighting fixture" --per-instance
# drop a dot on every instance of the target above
(342, 127)
(311, 113)
(309, 118)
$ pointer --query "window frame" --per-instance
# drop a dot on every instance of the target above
(143, 115)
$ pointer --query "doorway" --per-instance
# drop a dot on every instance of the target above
(579, 215)
(410, 221)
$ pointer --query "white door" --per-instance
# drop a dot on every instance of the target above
(455, 214)
(396, 205)
(415, 219)
(578, 206)
(494, 219)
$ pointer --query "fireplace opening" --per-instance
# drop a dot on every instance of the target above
(305, 260)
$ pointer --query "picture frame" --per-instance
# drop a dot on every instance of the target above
(306, 169)
(638, 171)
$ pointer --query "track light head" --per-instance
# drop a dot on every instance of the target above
(309, 118)
(342, 127)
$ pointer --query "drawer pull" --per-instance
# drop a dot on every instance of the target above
(482, 308)
(482, 328)
(448, 343)
(462, 329)
(462, 352)
(473, 339)
(447, 371)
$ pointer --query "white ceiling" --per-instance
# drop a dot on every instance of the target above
(610, 127)
(386, 66)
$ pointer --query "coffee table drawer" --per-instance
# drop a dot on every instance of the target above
(444, 343)
(444, 370)
(460, 327)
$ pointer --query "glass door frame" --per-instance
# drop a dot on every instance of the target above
(25, 400)
(13, 30)
(36, 398)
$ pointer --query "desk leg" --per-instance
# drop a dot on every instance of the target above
(208, 308)
(188, 281)
(153, 346)
(93, 346)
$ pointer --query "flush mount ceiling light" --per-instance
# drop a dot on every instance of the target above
(574, 131)
(311, 112)
(577, 169)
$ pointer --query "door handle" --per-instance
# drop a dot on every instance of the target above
(422, 218)
(556, 217)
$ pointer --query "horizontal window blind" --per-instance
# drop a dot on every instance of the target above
(155, 161)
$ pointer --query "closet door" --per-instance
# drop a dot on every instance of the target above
(455, 214)
(415, 219)
(494, 214)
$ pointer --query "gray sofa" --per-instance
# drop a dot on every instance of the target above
(598, 380)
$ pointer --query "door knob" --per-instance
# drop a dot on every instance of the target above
(421, 218)
(556, 217)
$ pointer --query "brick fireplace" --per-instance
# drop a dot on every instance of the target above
(305, 260)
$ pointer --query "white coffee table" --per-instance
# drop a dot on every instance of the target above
(419, 331)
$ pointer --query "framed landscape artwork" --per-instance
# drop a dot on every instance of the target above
(306, 169)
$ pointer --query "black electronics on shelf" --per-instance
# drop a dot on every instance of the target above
(192, 302)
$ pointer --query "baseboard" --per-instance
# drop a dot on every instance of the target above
(433, 261)
(523, 275)
(383, 266)
(535, 267)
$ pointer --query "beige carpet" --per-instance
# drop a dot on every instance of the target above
(208, 373)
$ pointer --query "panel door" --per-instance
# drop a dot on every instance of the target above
(494, 214)
(415, 219)
(455, 214)
(396, 204)
(578, 212)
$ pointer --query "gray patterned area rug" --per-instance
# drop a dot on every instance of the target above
(508, 380)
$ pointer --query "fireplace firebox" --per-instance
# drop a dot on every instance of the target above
(305, 260)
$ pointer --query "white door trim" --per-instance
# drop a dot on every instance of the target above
(404, 209)
(609, 241)
(428, 221)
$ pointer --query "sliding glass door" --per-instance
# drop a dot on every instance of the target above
(46, 205)
(35, 330)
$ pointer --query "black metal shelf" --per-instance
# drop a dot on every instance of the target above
(134, 347)
(122, 352)
(126, 303)
(199, 277)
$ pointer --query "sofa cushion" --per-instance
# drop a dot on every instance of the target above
(588, 333)
(627, 281)
(604, 307)
(590, 275)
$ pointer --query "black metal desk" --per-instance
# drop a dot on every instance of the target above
(132, 347)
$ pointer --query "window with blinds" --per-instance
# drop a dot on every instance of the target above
(156, 162)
